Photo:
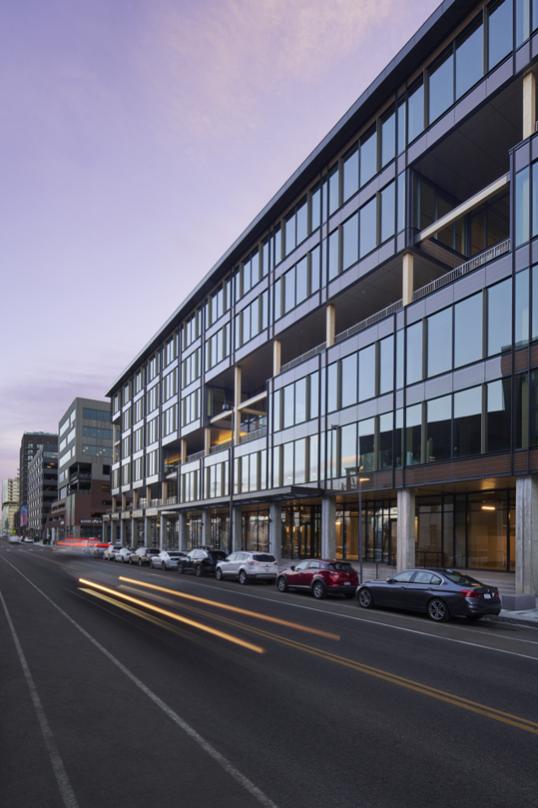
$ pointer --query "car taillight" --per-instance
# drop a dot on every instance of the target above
(469, 593)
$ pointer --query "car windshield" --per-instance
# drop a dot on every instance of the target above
(219, 554)
(463, 580)
(262, 557)
(151, 551)
(340, 566)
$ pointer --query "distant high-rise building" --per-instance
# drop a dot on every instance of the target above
(30, 444)
(42, 490)
(10, 503)
(84, 460)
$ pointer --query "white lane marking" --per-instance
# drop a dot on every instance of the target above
(384, 625)
(207, 747)
(64, 784)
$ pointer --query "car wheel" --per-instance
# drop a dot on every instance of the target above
(438, 610)
(365, 598)
(218, 574)
(242, 577)
(199, 571)
(281, 584)
(318, 590)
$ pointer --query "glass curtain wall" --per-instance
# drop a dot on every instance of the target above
(379, 522)
(255, 530)
(301, 531)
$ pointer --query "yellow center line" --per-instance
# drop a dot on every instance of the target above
(173, 616)
(236, 609)
(157, 621)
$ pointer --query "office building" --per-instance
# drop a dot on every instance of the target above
(30, 444)
(372, 334)
(10, 504)
(84, 460)
(42, 491)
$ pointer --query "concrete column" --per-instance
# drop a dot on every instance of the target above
(183, 450)
(123, 502)
(526, 545)
(275, 530)
(330, 324)
(133, 530)
(206, 528)
(277, 356)
(162, 529)
(407, 278)
(182, 531)
(236, 528)
(405, 534)
(164, 491)
(237, 403)
(121, 530)
(146, 531)
(207, 439)
(529, 105)
(328, 527)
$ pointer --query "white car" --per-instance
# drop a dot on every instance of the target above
(15, 540)
(123, 554)
(167, 559)
(108, 555)
(245, 566)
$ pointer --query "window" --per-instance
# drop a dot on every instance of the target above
(522, 308)
(413, 430)
(386, 364)
(468, 330)
(366, 444)
(522, 205)
(152, 399)
(349, 380)
(367, 380)
(169, 356)
(301, 280)
(368, 227)
(388, 139)
(348, 450)
(415, 112)
(351, 173)
(170, 385)
(500, 317)
(414, 353)
(498, 415)
(315, 270)
(190, 408)
(500, 31)
(170, 421)
(91, 414)
(368, 161)
(315, 208)
(334, 190)
(190, 368)
(400, 213)
(332, 387)
(153, 430)
(440, 342)
(388, 211)
(350, 238)
(333, 255)
(438, 428)
(469, 59)
(300, 400)
(467, 421)
(535, 199)
(441, 86)
(523, 22)
(534, 303)
(385, 441)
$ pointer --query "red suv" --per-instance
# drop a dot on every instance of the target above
(320, 577)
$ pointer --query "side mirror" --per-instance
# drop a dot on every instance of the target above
(391, 580)
(292, 566)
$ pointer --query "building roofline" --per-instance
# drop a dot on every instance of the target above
(430, 34)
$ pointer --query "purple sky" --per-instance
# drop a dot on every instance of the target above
(137, 139)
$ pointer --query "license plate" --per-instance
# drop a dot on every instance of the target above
(487, 596)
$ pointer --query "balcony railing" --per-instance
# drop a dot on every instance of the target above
(170, 501)
(470, 265)
(156, 502)
(254, 435)
(195, 456)
(219, 447)
(142, 502)
(368, 321)
(303, 357)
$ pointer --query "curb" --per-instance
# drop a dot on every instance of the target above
(518, 621)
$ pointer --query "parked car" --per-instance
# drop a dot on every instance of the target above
(28, 540)
(247, 566)
(122, 555)
(319, 577)
(109, 551)
(142, 555)
(15, 540)
(201, 561)
(167, 559)
(439, 593)
(98, 550)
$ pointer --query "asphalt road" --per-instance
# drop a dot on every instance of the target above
(113, 693)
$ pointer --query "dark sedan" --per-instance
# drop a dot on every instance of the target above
(201, 561)
(439, 593)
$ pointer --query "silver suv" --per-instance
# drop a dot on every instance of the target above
(246, 566)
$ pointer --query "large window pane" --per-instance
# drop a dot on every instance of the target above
(400, 335)
(366, 435)
(534, 306)
(350, 248)
(500, 25)
(414, 353)
(468, 330)
(289, 406)
(413, 427)
(302, 222)
(315, 270)
(348, 450)
(522, 223)
(314, 395)
(533, 412)
(288, 464)
(367, 373)
(402, 126)
(388, 139)
(438, 428)
(290, 237)
(300, 401)
(467, 422)
(386, 364)
(522, 308)
(441, 86)
(385, 441)
(535, 199)
(301, 280)
(332, 387)
(334, 191)
(500, 317)
(349, 380)
(368, 226)
(469, 60)
(440, 342)
(351, 174)
(415, 112)
(289, 290)
(498, 415)
(300, 461)
(401, 202)
(523, 22)
(388, 211)
(368, 159)
(315, 208)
